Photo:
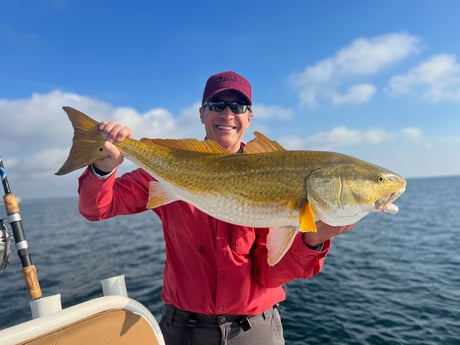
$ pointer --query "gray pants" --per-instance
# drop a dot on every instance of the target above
(184, 328)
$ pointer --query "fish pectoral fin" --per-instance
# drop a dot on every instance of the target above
(159, 196)
(307, 218)
(279, 240)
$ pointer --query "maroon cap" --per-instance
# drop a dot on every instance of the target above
(226, 81)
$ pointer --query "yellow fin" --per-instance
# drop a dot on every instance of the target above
(306, 214)
(192, 145)
(307, 218)
(261, 144)
(159, 196)
(279, 240)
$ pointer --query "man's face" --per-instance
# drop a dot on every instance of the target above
(226, 128)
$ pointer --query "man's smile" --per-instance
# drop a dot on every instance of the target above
(225, 127)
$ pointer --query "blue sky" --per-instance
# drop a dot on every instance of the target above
(376, 80)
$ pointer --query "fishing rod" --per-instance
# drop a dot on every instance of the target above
(5, 246)
(14, 219)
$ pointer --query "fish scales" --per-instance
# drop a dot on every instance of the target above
(231, 187)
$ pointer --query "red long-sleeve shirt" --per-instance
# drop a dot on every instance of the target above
(212, 267)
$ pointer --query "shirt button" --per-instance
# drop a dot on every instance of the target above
(221, 273)
(221, 307)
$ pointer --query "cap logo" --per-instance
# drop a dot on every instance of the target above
(228, 78)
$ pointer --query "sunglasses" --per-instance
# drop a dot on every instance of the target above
(219, 107)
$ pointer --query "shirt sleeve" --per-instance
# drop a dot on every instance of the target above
(102, 198)
(299, 262)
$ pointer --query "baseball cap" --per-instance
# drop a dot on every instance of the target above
(229, 80)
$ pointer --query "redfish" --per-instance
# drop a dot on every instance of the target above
(269, 186)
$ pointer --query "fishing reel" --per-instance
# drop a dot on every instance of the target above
(5, 246)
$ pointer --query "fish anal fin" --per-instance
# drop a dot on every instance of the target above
(193, 145)
(159, 196)
(307, 218)
(279, 240)
(261, 144)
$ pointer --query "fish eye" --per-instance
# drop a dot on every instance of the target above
(380, 178)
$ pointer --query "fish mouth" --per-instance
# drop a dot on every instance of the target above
(385, 204)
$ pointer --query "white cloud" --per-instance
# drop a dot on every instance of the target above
(40, 120)
(266, 112)
(412, 133)
(341, 137)
(347, 137)
(438, 79)
(154, 123)
(363, 57)
(356, 94)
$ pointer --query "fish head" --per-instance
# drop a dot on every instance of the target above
(343, 193)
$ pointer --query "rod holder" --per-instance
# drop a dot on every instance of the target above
(114, 286)
(45, 306)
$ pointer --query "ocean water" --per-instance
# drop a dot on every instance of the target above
(394, 279)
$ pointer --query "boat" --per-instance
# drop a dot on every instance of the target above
(114, 318)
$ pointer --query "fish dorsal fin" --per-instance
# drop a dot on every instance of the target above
(261, 143)
(193, 145)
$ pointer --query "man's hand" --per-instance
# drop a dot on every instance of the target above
(324, 232)
(112, 132)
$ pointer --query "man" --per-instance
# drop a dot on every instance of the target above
(218, 287)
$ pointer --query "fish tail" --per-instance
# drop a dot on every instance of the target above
(87, 146)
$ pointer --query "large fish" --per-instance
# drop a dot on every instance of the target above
(286, 191)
